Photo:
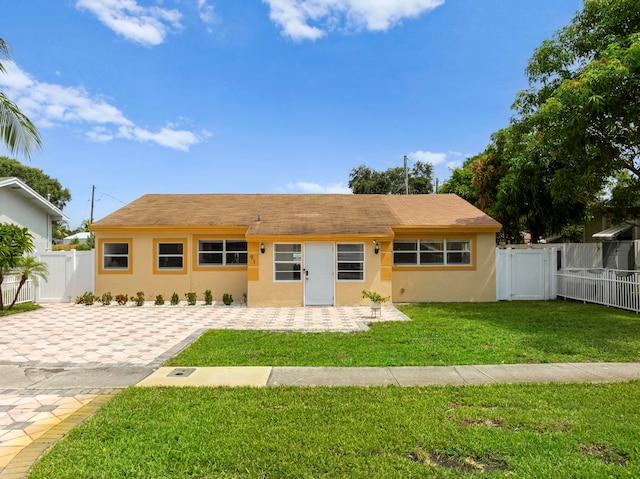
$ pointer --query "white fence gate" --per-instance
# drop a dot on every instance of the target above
(71, 273)
(525, 274)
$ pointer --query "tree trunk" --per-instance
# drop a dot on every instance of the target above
(1, 301)
(23, 280)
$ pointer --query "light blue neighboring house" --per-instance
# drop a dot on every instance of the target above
(21, 205)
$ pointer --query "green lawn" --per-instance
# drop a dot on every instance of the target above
(497, 431)
(439, 334)
(18, 308)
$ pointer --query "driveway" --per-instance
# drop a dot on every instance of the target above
(61, 362)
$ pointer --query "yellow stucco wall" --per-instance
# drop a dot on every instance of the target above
(143, 276)
(446, 285)
(400, 284)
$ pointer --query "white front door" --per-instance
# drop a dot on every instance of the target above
(318, 274)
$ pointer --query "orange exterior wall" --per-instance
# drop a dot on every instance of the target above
(400, 284)
(476, 284)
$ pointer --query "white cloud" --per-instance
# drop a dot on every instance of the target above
(316, 188)
(206, 13)
(428, 157)
(295, 16)
(49, 105)
(144, 25)
(455, 164)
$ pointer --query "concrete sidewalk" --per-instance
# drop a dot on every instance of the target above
(398, 376)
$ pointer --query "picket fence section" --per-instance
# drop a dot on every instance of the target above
(10, 285)
(615, 288)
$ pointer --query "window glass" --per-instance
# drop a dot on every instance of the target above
(287, 259)
(170, 255)
(350, 262)
(222, 252)
(115, 255)
(405, 252)
(429, 252)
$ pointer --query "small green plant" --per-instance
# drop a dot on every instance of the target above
(122, 299)
(159, 300)
(138, 299)
(106, 298)
(374, 296)
(175, 299)
(208, 297)
(86, 298)
(244, 298)
(227, 299)
(191, 298)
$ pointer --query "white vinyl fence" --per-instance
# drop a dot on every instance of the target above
(10, 286)
(616, 288)
(71, 273)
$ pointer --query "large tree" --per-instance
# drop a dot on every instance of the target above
(365, 180)
(43, 184)
(16, 130)
(584, 101)
(575, 132)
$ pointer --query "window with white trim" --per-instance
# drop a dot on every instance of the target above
(222, 252)
(170, 256)
(350, 261)
(287, 258)
(432, 252)
(115, 256)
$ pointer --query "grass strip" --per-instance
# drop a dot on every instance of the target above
(439, 335)
(551, 431)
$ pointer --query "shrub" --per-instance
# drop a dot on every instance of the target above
(175, 299)
(122, 299)
(87, 299)
(227, 299)
(191, 298)
(159, 300)
(106, 298)
(208, 297)
(139, 298)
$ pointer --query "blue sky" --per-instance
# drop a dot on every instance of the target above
(262, 96)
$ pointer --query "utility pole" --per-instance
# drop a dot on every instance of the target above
(93, 194)
(406, 176)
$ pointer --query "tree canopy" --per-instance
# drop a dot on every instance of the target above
(16, 130)
(34, 177)
(575, 132)
(365, 180)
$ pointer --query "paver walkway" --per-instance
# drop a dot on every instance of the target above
(35, 347)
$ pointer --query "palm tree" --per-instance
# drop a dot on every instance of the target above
(16, 130)
(29, 267)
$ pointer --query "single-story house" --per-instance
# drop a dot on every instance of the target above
(21, 205)
(299, 250)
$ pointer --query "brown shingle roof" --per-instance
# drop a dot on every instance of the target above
(300, 214)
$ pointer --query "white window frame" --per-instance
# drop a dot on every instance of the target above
(445, 252)
(294, 262)
(170, 255)
(223, 252)
(361, 262)
(116, 255)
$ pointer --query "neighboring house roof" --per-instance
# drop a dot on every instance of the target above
(612, 232)
(82, 236)
(301, 215)
(23, 189)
